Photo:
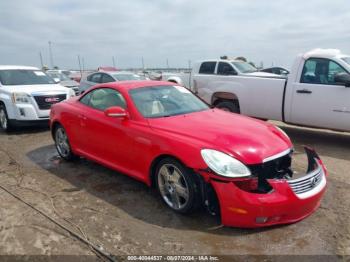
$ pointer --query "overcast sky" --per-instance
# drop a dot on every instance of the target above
(180, 30)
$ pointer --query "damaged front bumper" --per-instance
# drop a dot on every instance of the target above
(286, 201)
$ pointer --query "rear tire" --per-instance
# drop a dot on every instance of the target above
(176, 186)
(230, 106)
(5, 124)
(62, 144)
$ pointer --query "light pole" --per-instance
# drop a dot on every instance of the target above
(41, 60)
(51, 57)
(81, 73)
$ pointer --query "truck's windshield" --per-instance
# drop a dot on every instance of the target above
(24, 77)
(346, 59)
(244, 67)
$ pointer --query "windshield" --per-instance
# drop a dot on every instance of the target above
(164, 101)
(244, 67)
(60, 76)
(24, 77)
(125, 77)
(346, 59)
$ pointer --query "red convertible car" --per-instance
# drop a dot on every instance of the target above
(165, 136)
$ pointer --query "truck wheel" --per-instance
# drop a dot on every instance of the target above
(4, 120)
(228, 106)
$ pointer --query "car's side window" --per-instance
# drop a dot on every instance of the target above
(226, 69)
(103, 98)
(320, 71)
(86, 99)
(107, 78)
(207, 68)
(96, 78)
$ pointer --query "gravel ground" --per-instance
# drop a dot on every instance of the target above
(123, 216)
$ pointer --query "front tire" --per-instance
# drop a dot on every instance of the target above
(5, 124)
(62, 144)
(176, 186)
(229, 106)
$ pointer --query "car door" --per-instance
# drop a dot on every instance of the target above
(317, 99)
(102, 138)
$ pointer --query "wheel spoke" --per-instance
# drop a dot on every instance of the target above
(162, 185)
(175, 199)
(176, 176)
(181, 191)
(165, 173)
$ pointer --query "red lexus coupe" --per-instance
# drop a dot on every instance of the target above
(165, 136)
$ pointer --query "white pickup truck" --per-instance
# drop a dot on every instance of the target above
(26, 96)
(316, 93)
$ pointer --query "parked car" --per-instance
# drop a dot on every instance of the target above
(107, 69)
(63, 79)
(276, 70)
(316, 92)
(76, 76)
(164, 136)
(26, 96)
(106, 77)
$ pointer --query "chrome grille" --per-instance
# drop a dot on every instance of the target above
(45, 102)
(307, 183)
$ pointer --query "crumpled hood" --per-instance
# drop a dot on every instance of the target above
(249, 140)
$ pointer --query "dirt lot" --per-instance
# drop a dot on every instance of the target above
(125, 217)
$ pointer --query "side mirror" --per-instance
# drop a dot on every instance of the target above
(342, 78)
(57, 80)
(116, 111)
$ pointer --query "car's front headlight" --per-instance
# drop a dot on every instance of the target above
(223, 164)
(20, 98)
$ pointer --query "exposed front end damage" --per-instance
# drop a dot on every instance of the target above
(271, 195)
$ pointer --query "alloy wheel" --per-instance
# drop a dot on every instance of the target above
(62, 143)
(173, 186)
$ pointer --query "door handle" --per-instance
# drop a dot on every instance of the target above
(304, 91)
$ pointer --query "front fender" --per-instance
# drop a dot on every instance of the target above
(6, 99)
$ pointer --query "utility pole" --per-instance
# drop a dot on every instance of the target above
(50, 53)
(83, 62)
(81, 74)
(41, 60)
(113, 61)
(143, 64)
(189, 64)
(167, 63)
